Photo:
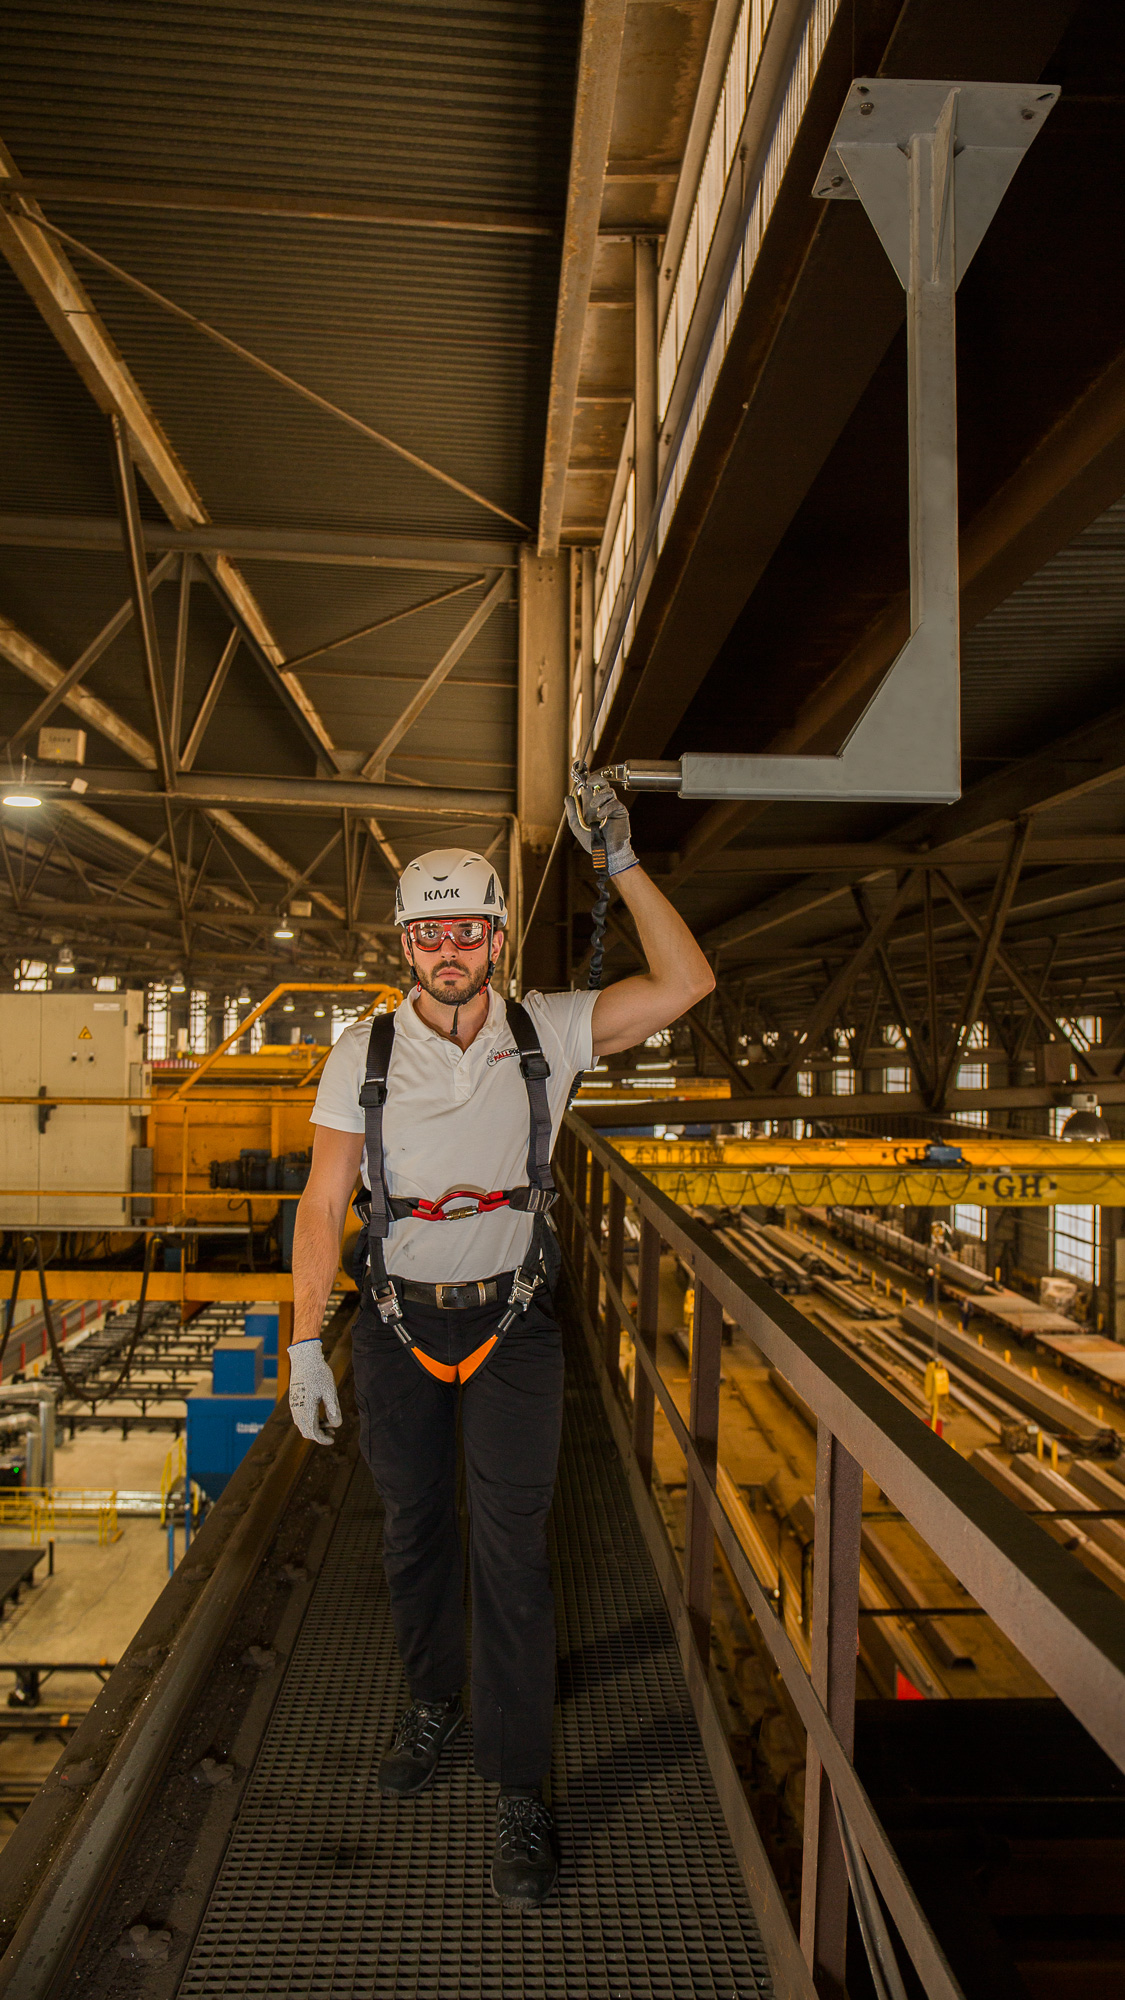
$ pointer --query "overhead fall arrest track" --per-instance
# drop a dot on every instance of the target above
(257, 1856)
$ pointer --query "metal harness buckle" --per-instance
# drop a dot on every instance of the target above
(387, 1301)
(524, 1287)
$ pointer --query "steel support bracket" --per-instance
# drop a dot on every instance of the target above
(931, 162)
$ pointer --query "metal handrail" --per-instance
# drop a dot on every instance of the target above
(1065, 1621)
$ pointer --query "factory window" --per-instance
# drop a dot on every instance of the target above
(343, 1017)
(156, 1023)
(969, 1221)
(31, 975)
(804, 1083)
(257, 1035)
(106, 982)
(1074, 1241)
(230, 1019)
(896, 1079)
(973, 1076)
(844, 1082)
(197, 1022)
(1087, 1030)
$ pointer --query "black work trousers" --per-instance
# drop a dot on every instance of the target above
(511, 1419)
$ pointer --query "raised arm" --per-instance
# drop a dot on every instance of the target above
(678, 974)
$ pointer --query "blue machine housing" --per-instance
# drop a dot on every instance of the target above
(220, 1431)
(261, 1324)
(236, 1366)
(222, 1427)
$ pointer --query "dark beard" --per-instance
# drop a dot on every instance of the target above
(452, 996)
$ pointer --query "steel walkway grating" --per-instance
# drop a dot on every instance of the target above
(328, 1892)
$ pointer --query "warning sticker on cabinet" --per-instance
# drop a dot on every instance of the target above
(84, 1035)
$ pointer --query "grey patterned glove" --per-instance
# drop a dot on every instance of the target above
(311, 1383)
(599, 822)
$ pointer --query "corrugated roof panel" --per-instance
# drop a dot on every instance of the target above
(1052, 653)
(467, 103)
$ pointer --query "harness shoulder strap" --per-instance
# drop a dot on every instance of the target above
(535, 1069)
(372, 1097)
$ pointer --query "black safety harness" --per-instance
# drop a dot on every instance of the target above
(377, 1208)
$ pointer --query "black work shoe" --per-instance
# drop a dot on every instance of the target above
(420, 1738)
(525, 1861)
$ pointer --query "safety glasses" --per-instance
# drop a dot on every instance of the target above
(430, 933)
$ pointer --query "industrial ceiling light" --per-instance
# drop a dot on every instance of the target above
(1085, 1121)
(284, 927)
(360, 972)
(288, 1006)
(179, 984)
(66, 963)
(243, 998)
(318, 1013)
(22, 794)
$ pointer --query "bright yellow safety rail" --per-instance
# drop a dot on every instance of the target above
(43, 1510)
(175, 1467)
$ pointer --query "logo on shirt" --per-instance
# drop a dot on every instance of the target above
(499, 1054)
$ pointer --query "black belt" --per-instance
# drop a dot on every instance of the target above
(456, 1297)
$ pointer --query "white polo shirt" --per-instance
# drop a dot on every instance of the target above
(458, 1119)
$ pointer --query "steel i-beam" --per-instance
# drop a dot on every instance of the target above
(931, 163)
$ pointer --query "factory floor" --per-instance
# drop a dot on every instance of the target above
(86, 1612)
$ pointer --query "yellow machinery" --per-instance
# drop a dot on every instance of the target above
(214, 1110)
(227, 1105)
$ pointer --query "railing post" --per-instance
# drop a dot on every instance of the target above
(561, 1216)
(703, 1424)
(594, 1243)
(615, 1259)
(570, 1228)
(836, 1547)
(648, 1304)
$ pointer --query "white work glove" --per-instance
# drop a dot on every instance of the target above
(311, 1383)
(599, 822)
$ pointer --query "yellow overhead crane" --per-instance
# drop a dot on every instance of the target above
(881, 1173)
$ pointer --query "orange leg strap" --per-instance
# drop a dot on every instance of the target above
(473, 1361)
(432, 1367)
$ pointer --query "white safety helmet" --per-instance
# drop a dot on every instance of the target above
(450, 881)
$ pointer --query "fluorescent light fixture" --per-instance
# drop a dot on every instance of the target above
(360, 972)
(663, 1065)
(23, 797)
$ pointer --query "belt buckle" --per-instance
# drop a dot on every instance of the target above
(463, 1285)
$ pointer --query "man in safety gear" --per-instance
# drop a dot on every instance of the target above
(453, 1104)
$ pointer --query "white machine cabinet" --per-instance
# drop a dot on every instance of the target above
(69, 1045)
